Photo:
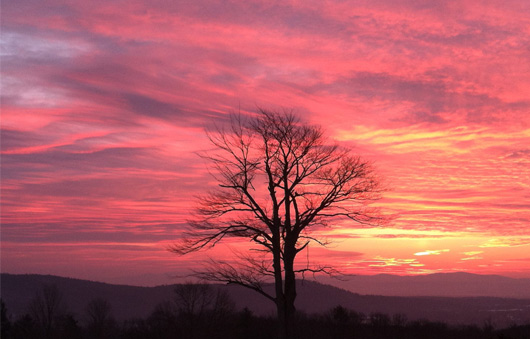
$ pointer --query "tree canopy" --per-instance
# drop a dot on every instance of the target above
(278, 179)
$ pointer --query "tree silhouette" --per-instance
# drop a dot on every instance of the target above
(278, 180)
(101, 323)
(46, 308)
(200, 299)
(202, 309)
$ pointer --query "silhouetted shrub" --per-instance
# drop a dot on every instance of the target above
(24, 328)
(5, 322)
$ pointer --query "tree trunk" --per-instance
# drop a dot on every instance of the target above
(285, 293)
(289, 291)
(282, 325)
(278, 282)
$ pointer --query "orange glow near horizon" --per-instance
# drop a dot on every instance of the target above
(104, 109)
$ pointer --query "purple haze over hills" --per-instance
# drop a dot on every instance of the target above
(139, 302)
(458, 284)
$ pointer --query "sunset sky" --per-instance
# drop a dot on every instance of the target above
(104, 106)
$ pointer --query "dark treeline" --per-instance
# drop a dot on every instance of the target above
(202, 311)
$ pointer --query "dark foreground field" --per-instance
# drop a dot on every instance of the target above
(35, 306)
(336, 323)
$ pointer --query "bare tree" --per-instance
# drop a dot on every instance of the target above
(199, 299)
(193, 299)
(278, 180)
(46, 308)
(201, 307)
(101, 323)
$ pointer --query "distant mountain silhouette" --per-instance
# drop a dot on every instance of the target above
(138, 302)
(458, 284)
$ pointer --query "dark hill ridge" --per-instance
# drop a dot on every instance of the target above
(138, 302)
(127, 301)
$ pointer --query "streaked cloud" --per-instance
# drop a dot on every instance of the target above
(104, 107)
(379, 261)
(472, 253)
(506, 242)
(472, 258)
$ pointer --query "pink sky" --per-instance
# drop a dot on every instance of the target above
(104, 105)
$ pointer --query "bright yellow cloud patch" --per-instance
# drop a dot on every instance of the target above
(431, 252)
